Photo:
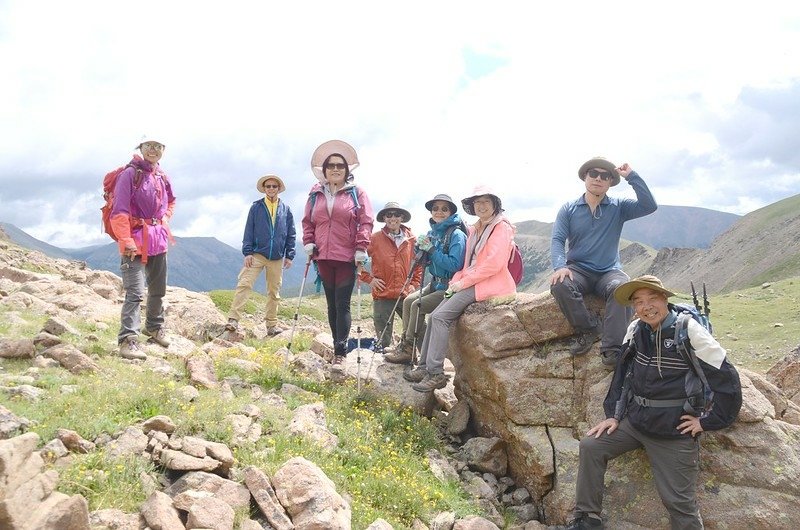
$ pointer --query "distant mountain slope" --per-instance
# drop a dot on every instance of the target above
(23, 239)
(679, 226)
(762, 246)
(195, 263)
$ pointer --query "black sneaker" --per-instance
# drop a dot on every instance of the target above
(584, 522)
(583, 342)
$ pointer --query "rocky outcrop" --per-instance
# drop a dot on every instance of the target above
(523, 386)
(28, 496)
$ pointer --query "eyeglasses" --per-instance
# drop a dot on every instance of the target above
(604, 175)
(393, 214)
(440, 209)
(153, 146)
(270, 186)
(335, 166)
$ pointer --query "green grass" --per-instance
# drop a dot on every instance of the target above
(379, 463)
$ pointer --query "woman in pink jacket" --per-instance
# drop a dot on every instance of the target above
(485, 275)
(337, 226)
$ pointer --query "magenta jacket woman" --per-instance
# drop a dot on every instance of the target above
(337, 226)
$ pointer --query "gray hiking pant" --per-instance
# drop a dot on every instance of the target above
(135, 277)
(569, 296)
(415, 308)
(434, 345)
(675, 463)
(383, 318)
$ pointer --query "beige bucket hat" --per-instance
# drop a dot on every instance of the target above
(265, 178)
(406, 215)
(329, 148)
(602, 163)
(623, 293)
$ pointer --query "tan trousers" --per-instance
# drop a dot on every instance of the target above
(248, 276)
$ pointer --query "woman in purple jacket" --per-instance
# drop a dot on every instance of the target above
(337, 226)
(143, 202)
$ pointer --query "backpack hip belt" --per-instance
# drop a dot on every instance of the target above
(153, 221)
(660, 403)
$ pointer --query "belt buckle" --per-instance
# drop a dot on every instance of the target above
(153, 221)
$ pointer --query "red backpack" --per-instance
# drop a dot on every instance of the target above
(109, 182)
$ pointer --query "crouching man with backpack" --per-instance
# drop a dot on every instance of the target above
(142, 204)
(658, 401)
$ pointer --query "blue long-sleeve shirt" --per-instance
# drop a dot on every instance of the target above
(594, 238)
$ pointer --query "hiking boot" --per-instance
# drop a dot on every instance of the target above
(159, 336)
(401, 355)
(232, 325)
(338, 361)
(416, 375)
(584, 522)
(609, 359)
(431, 382)
(274, 330)
(129, 349)
(583, 342)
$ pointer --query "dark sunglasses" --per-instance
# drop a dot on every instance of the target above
(440, 209)
(393, 214)
(335, 166)
(604, 175)
(271, 186)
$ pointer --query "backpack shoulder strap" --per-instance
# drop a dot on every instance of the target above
(354, 193)
(687, 351)
(448, 235)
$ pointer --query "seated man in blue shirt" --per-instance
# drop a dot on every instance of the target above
(592, 225)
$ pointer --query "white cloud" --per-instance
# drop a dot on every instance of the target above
(436, 97)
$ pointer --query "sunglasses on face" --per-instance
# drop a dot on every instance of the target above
(271, 186)
(152, 146)
(393, 214)
(444, 209)
(334, 165)
(594, 173)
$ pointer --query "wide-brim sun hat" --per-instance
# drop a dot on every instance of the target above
(442, 197)
(329, 148)
(150, 138)
(602, 163)
(479, 191)
(406, 217)
(624, 292)
(265, 178)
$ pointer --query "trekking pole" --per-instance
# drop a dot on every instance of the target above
(417, 261)
(694, 297)
(358, 331)
(418, 301)
(296, 312)
(706, 303)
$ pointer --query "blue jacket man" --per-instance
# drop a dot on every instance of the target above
(268, 244)
(592, 225)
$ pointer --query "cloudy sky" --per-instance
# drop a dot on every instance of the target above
(701, 98)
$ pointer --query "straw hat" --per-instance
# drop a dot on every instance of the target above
(329, 148)
(406, 216)
(624, 292)
(265, 178)
(601, 163)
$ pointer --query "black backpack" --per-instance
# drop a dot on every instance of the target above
(696, 382)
